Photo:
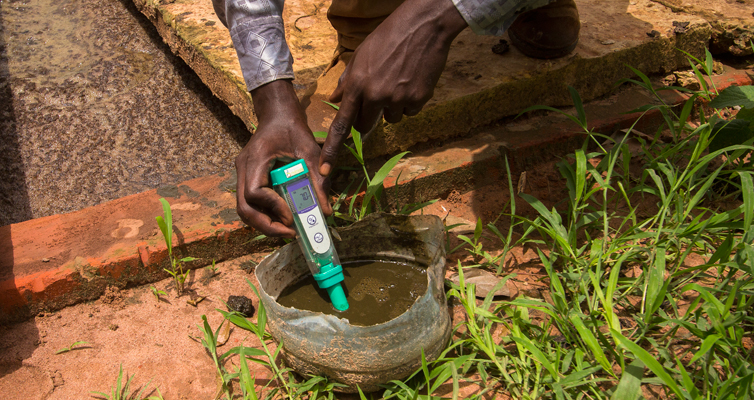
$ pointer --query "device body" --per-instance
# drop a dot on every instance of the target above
(293, 183)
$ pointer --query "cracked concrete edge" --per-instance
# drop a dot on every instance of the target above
(455, 117)
(464, 171)
(591, 77)
(53, 262)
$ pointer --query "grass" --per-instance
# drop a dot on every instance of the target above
(371, 201)
(157, 292)
(73, 346)
(656, 305)
(122, 391)
(165, 223)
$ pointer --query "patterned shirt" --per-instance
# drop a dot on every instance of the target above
(258, 34)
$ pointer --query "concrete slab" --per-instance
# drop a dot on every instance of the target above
(477, 87)
(52, 262)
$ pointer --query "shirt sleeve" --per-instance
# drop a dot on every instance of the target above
(494, 17)
(258, 34)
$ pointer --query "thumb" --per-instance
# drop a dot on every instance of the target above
(337, 134)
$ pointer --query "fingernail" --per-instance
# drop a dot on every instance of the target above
(324, 169)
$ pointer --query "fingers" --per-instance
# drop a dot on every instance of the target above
(257, 204)
(337, 94)
(320, 183)
(339, 131)
(369, 115)
(260, 221)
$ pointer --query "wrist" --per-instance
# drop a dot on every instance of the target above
(445, 19)
(450, 21)
(275, 101)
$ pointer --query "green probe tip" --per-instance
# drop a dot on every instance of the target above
(338, 297)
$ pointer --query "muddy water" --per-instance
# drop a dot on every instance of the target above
(376, 291)
(93, 106)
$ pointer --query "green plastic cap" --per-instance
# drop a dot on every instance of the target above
(329, 278)
(338, 297)
(288, 172)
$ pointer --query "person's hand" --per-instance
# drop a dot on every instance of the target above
(394, 71)
(282, 135)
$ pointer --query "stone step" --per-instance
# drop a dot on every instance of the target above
(478, 86)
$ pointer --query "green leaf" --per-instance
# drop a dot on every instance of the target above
(707, 344)
(581, 115)
(332, 105)
(654, 284)
(649, 361)
(629, 387)
(320, 134)
(591, 341)
(734, 96)
(383, 172)
(356, 136)
(730, 133)
(747, 191)
(538, 355)
(746, 113)
(478, 230)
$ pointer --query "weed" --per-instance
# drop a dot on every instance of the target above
(605, 329)
(156, 292)
(73, 346)
(374, 185)
(176, 265)
(123, 391)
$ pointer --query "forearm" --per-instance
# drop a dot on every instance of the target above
(258, 34)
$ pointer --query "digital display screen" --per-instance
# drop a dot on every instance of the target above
(302, 198)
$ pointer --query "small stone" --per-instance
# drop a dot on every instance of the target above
(113, 327)
(669, 80)
(242, 304)
(608, 42)
(501, 47)
(45, 260)
(687, 79)
(57, 379)
(653, 34)
(680, 27)
(248, 266)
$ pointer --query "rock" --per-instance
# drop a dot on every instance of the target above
(501, 47)
(687, 79)
(485, 282)
(242, 304)
(680, 27)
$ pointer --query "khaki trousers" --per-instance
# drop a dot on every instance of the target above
(355, 19)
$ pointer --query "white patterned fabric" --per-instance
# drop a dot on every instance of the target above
(256, 27)
(494, 17)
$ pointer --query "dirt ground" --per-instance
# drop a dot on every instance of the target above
(131, 328)
(150, 339)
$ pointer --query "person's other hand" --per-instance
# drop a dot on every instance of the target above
(394, 71)
(282, 135)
